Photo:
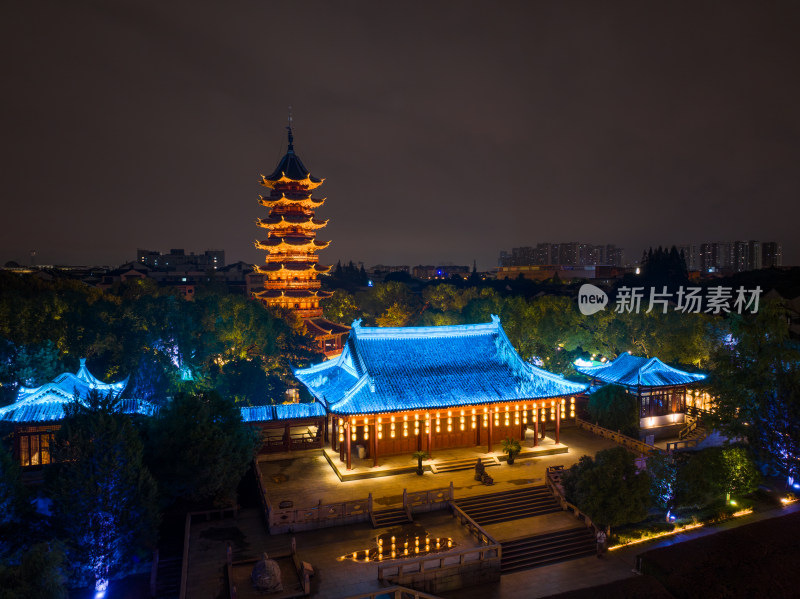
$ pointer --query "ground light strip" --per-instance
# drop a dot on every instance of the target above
(677, 531)
(658, 536)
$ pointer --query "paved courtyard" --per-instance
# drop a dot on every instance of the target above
(307, 479)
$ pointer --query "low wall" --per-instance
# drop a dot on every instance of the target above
(447, 572)
(319, 516)
(627, 442)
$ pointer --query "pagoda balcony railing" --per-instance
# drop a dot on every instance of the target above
(308, 313)
(310, 257)
(284, 284)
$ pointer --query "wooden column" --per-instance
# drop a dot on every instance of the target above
(491, 427)
(375, 441)
(334, 433)
(325, 438)
(558, 422)
(535, 414)
(347, 442)
(430, 435)
(341, 443)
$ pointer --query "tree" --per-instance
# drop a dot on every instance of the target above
(396, 315)
(390, 304)
(663, 473)
(419, 455)
(511, 447)
(711, 475)
(614, 408)
(341, 307)
(756, 385)
(104, 500)
(27, 365)
(13, 497)
(208, 445)
(243, 381)
(38, 574)
(609, 488)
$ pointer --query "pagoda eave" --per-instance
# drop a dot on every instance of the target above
(293, 267)
(308, 182)
(307, 202)
(301, 222)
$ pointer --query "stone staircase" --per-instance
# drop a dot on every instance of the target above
(509, 505)
(389, 517)
(168, 578)
(699, 433)
(547, 548)
(463, 464)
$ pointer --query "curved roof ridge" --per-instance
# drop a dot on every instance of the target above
(447, 330)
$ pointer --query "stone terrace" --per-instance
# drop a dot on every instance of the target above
(306, 478)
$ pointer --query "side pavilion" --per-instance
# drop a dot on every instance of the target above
(397, 390)
(660, 388)
(37, 414)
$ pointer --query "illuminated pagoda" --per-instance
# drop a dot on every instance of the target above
(660, 388)
(292, 264)
(396, 390)
(37, 413)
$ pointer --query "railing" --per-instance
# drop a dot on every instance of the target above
(696, 412)
(279, 442)
(686, 444)
(186, 535)
(688, 430)
(319, 516)
(395, 592)
(553, 482)
(262, 492)
(443, 562)
(629, 443)
(422, 501)
(473, 527)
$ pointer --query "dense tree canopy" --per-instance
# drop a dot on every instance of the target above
(609, 488)
(756, 383)
(208, 445)
(614, 408)
(163, 341)
(711, 475)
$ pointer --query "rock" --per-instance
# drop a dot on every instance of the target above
(266, 575)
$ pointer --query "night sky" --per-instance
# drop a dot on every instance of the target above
(446, 131)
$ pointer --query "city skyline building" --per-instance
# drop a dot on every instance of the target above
(572, 253)
(178, 259)
(739, 256)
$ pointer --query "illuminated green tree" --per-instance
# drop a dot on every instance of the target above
(341, 307)
(104, 500)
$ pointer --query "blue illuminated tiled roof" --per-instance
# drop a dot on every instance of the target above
(46, 403)
(395, 369)
(632, 371)
(292, 411)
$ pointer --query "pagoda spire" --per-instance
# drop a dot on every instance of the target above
(289, 130)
